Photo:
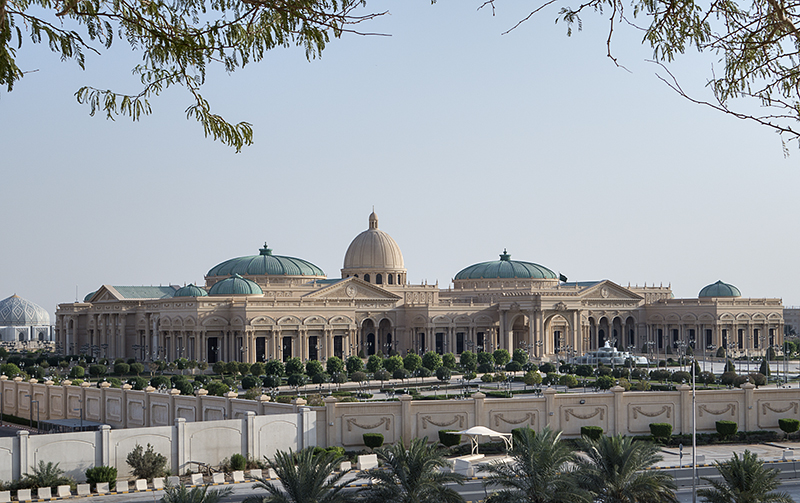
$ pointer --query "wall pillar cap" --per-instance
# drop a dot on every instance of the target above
(150, 389)
(18, 378)
(126, 386)
(231, 394)
(403, 398)
(684, 387)
(550, 391)
(617, 389)
(174, 391)
(33, 380)
(3, 377)
(66, 382)
(477, 395)
(201, 392)
(333, 399)
(298, 401)
(264, 398)
(49, 382)
(105, 384)
(85, 384)
(747, 385)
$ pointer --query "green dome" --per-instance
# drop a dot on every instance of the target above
(190, 291)
(89, 296)
(506, 268)
(720, 289)
(266, 264)
(235, 285)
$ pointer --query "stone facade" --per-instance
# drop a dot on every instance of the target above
(372, 308)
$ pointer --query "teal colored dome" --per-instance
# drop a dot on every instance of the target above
(89, 296)
(506, 268)
(191, 291)
(235, 285)
(720, 289)
(266, 264)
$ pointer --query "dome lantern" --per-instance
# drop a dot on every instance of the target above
(375, 257)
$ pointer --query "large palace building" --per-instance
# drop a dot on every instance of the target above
(265, 306)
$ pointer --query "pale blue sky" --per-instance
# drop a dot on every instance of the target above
(466, 141)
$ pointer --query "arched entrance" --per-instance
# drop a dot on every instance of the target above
(368, 336)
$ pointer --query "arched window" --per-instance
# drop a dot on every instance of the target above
(355, 275)
(378, 279)
(390, 278)
(366, 278)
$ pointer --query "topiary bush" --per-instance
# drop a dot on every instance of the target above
(758, 379)
(605, 382)
(547, 368)
(238, 462)
(592, 432)
(661, 431)
(727, 429)
(448, 438)
(102, 474)
(373, 440)
(789, 425)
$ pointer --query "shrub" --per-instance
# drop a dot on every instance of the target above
(569, 381)
(513, 366)
(443, 373)
(243, 368)
(146, 463)
(626, 384)
(532, 378)
(605, 382)
(449, 439)
(727, 378)
(97, 370)
(75, 373)
(138, 383)
(297, 380)
(46, 475)
(726, 429)
(520, 356)
(295, 366)
(412, 362)
(741, 380)
(382, 375)
(729, 367)
(501, 357)
(238, 462)
(681, 376)
(602, 370)
(373, 440)
(551, 378)
(277, 368)
(270, 381)
(354, 364)
(707, 377)
(431, 361)
(358, 376)
(400, 373)
(547, 368)
(449, 361)
(592, 432)
(487, 377)
(320, 378)
(314, 367)
(159, 381)
(250, 382)
(136, 368)
(468, 360)
(485, 367)
(393, 363)
(424, 372)
(758, 379)
(567, 368)
(642, 386)
(789, 425)
(720, 352)
(257, 369)
(584, 370)
(121, 368)
(217, 388)
(374, 363)
(102, 474)
(620, 372)
(661, 431)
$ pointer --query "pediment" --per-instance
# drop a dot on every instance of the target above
(352, 289)
(608, 290)
(106, 293)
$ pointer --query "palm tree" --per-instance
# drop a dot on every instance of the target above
(305, 478)
(199, 494)
(744, 480)
(540, 472)
(411, 475)
(614, 471)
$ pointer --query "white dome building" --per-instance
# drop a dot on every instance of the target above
(22, 320)
(373, 256)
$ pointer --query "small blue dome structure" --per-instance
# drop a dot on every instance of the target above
(235, 285)
(719, 289)
(190, 290)
(506, 268)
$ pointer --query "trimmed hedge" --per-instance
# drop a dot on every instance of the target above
(661, 431)
(789, 425)
(592, 432)
(448, 438)
(727, 429)
(102, 474)
(373, 440)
